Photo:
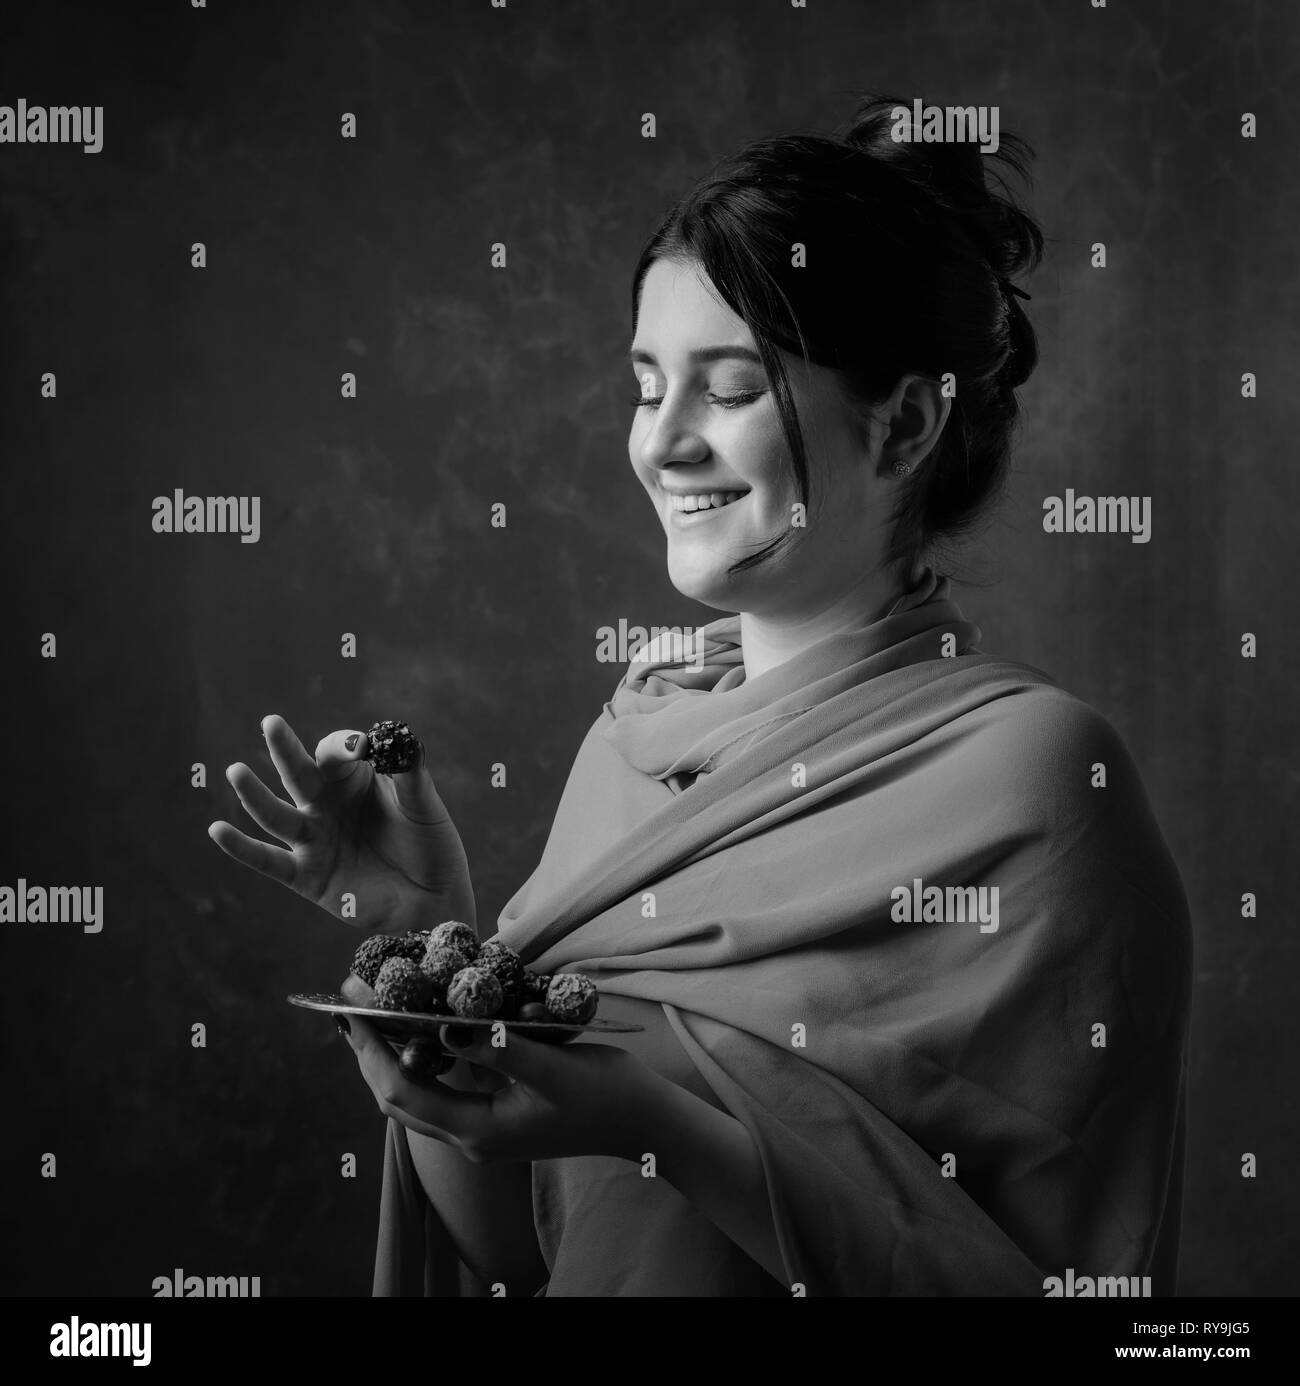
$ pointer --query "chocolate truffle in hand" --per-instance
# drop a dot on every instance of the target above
(571, 998)
(401, 986)
(475, 993)
(392, 748)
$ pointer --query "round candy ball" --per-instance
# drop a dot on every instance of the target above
(571, 998)
(375, 951)
(441, 962)
(372, 955)
(392, 748)
(475, 993)
(534, 1010)
(412, 944)
(535, 985)
(505, 963)
(401, 986)
(457, 935)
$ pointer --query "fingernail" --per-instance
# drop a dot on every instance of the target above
(351, 742)
(344, 1027)
(459, 1036)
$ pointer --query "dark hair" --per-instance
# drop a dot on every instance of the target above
(908, 252)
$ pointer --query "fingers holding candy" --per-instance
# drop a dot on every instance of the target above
(393, 748)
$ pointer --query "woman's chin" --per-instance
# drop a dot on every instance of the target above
(711, 585)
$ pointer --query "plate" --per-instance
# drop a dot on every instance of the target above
(404, 1025)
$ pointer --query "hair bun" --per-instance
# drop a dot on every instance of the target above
(970, 185)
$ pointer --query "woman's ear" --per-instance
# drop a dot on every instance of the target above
(915, 416)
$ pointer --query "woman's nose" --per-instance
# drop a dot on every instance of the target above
(672, 437)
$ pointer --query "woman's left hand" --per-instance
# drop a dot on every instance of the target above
(573, 1099)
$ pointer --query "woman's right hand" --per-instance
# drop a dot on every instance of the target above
(389, 842)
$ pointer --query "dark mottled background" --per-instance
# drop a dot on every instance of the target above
(478, 125)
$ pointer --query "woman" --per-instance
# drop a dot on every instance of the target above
(849, 1082)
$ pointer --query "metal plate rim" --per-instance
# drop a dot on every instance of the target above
(334, 1004)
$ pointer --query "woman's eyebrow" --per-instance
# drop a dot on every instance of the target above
(638, 356)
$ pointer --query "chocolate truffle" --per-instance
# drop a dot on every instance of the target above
(504, 962)
(571, 998)
(401, 986)
(442, 961)
(534, 987)
(373, 954)
(459, 935)
(392, 748)
(412, 944)
(475, 993)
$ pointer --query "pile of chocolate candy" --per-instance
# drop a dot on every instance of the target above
(446, 971)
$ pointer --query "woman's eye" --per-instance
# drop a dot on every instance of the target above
(726, 401)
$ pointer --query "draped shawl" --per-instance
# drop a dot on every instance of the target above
(940, 1106)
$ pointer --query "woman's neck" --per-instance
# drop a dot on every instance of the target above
(769, 641)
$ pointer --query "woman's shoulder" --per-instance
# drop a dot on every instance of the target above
(1052, 769)
(1027, 731)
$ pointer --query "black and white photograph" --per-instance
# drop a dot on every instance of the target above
(647, 658)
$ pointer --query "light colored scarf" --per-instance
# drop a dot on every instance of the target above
(940, 1107)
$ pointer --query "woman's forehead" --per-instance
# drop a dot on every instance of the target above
(679, 300)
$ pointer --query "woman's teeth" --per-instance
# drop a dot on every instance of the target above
(713, 500)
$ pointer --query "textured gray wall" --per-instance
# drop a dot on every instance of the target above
(477, 386)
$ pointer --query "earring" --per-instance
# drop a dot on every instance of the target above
(902, 468)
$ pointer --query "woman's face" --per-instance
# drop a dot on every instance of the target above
(712, 426)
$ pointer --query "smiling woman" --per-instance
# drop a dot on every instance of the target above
(830, 1094)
